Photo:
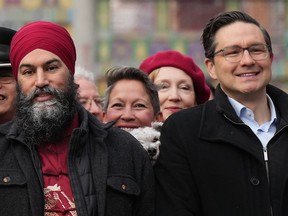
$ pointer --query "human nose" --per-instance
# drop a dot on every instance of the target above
(174, 94)
(127, 114)
(246, 57)
(41, 79)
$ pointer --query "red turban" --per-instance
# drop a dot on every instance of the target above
(42, 35)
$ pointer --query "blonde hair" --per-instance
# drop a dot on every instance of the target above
(154, 74)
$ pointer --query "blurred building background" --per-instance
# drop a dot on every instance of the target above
(124, 32)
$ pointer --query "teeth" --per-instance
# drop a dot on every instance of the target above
(247, 74)
(2, 97)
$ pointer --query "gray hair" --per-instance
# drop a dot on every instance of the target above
(81, 72)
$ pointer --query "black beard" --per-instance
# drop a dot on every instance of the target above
(46, 122)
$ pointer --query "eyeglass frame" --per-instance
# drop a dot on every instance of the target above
(97, 100)
(268, 50)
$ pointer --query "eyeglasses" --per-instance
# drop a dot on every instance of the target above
(87, 102)
(235, 53)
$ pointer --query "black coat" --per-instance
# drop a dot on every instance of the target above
(110, 173)
(212, 164)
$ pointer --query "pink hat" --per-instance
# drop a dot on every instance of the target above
(176, 59)
(42, 35)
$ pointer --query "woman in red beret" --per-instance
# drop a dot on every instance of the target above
(181, 83)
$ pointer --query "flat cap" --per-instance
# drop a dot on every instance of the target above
(6, 36)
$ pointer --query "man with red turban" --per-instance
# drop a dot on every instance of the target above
(65, 162)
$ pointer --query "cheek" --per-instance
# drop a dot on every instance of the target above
(146, 117)
(112, 115)
(189, 100)
(12, 92)
(162, 97)
(26, 86)
(224, 69)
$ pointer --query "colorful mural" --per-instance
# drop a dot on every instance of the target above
(127, 31)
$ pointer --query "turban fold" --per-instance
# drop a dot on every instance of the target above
(42, 35)
(172, 58)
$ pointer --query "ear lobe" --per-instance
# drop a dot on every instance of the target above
(210, 66)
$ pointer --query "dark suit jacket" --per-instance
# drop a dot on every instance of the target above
(211, 163)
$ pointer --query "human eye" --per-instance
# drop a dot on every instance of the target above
(98, 101)
(52, 67)
(161, 86)
(139, 105)
(258, 49)
(185, 87)
(27, 72)
(117, 105)
(83, 101)
(232, 51)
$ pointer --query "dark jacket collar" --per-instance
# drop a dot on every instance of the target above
(231, 129)
(5, 127)
(279, 98)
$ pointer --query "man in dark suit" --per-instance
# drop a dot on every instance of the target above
(228, 156)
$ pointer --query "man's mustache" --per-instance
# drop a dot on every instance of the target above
(39, 91)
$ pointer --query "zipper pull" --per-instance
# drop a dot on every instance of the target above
(265, 154)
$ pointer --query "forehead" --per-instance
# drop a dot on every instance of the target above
(123, 88)
(172, 74)
(239, 33)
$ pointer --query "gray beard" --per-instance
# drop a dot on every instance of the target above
(46, 122)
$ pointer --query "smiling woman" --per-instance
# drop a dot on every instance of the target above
(180, 82)
(131, 99)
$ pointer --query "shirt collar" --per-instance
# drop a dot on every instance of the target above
(238, 107)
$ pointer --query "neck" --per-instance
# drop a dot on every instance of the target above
(259, 105)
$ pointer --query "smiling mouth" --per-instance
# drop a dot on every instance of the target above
(248, 74)
(2, 97)
(173, 108)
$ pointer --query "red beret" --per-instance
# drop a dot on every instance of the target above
(172, 58)
(42, 35)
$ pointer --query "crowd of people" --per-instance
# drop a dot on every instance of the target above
(67, 150)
